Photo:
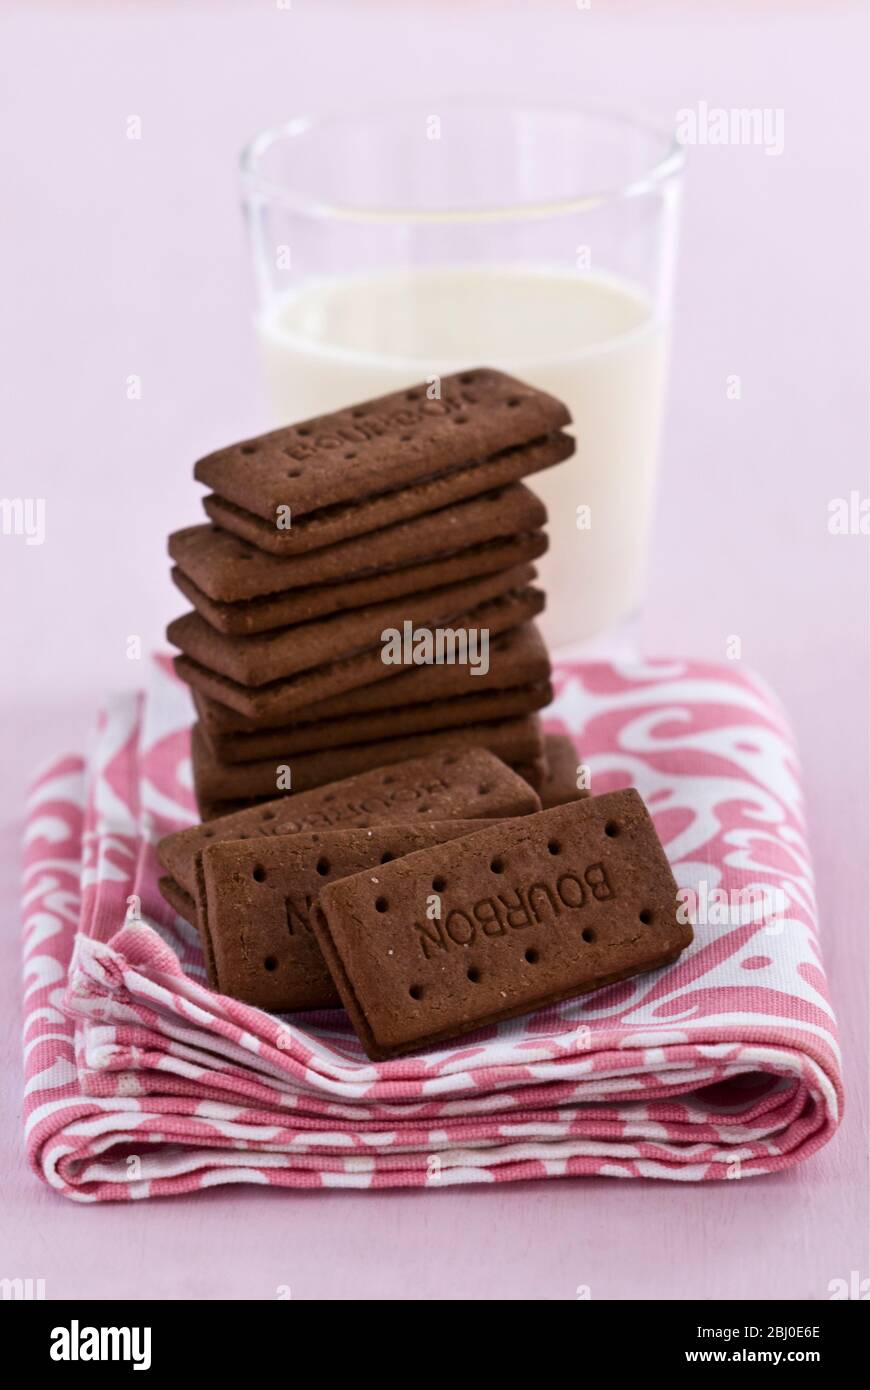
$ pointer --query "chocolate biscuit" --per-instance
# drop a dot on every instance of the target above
(517, 657)
(356, 470)
(275, 702)
(269, 656)
(255, 900)
(502, 922)
(382, 724)
(304, 605)
(228, 570)
(370, 516)
(178, 898)
(533, 771)
(219, 810)
(448, 786)
(512, 740)
(560, 781)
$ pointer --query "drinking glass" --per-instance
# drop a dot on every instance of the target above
(394, 245)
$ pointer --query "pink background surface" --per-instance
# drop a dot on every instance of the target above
(129, 257)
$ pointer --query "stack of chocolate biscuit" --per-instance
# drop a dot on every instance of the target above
(412, 876)
(345, 580)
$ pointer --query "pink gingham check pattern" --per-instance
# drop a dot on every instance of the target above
(141, 1082)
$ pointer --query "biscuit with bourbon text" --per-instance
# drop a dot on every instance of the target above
(502, 922)
(355, 471)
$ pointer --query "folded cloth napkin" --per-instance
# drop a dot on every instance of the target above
(141, 1082)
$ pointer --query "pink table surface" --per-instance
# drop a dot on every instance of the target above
(129, 257)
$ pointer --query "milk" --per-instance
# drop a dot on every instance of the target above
(591, 340)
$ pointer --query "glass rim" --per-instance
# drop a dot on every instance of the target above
(657, 174)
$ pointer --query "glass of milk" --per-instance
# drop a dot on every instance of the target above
(391, 246)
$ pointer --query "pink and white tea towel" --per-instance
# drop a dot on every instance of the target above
(141, 1082)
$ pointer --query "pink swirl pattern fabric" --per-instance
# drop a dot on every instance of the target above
(141, 1082)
